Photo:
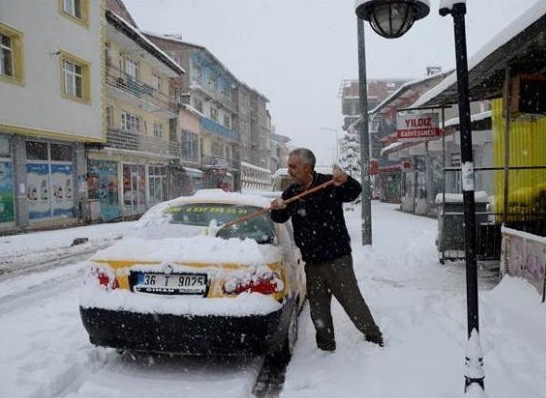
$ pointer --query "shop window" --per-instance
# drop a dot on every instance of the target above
(36, 150)
(61, 152)
(5, 148)
(156, 184)
(11, 44)
(76, 10)
(49, 182)
(75, 77)
(134, 187)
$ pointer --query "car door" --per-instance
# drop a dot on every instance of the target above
(294, 262)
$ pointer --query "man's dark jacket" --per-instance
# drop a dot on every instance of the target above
(319, 225)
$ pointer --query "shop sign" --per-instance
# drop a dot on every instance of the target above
(418, 127)
(407, 165)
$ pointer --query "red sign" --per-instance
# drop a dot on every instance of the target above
(418, 127)
(374, 167)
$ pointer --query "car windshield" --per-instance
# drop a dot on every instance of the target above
(259, 228)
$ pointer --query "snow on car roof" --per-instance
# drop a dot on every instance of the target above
(167, 242)
(195, 249)
(157, 216)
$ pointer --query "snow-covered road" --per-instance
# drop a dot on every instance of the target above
(419, 304)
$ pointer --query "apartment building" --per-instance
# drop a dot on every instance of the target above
(50, 108)
(137, 166)
(378, 90)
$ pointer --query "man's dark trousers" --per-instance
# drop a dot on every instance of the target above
(336, 277)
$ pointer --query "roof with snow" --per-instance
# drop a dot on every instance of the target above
(520, 46)
(127, 29)
(407, 90)
(175, 38)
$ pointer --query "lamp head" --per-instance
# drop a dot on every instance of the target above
(391, 18)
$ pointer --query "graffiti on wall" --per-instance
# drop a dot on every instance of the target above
(525, 258)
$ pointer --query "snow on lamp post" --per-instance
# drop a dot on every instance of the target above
(474, 374)
(390, 19)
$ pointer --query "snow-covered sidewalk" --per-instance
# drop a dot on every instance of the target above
(421, 307)
(419, 304)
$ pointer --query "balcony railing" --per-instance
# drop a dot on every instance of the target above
(138, 89)
(122, 139)
(219, 162)
(213, 93)
(216, 128)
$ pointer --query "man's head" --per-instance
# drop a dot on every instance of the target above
(301, 163)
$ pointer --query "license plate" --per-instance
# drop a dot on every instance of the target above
(185, 283)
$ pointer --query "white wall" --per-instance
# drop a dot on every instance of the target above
(38, 104)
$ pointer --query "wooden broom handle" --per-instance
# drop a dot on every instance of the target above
(266, 209)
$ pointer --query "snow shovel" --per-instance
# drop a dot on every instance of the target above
(268, 208)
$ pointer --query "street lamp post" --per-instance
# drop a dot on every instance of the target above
(390, 19)
(474, 358)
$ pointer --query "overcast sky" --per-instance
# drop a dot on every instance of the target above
(297, 52)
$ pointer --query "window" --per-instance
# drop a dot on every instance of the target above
(130, 122)
(11, 65)
(217, 150)
(227, 121)
(213, 81)
(214, 114)
(109, 116)
(156, 82)
(61, 152)
(260, 228)
(156, 184)
(5, 148)
(77, 10)
(130, 68)
(75, 74)
(197, 72)
(199, 105)
(73, 79)
(158, 130)
(190, 146)
(36, 150)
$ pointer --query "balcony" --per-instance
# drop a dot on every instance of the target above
(211, 92)
(216, 128)
(139, 93)
(129, 140)
(217, 162)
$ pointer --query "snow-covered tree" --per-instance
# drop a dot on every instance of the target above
(349, 157)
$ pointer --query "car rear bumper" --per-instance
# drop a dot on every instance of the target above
(187, 334)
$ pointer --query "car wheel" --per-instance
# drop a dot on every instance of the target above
(284, 352)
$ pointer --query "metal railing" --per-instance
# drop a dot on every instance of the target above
(213, 93)
(219, 162)
(123, 139)
(115, 77)
(216, 128)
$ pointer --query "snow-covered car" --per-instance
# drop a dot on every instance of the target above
(182, 284)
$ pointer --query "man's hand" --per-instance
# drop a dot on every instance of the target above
(278, 204)
(339, 176)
